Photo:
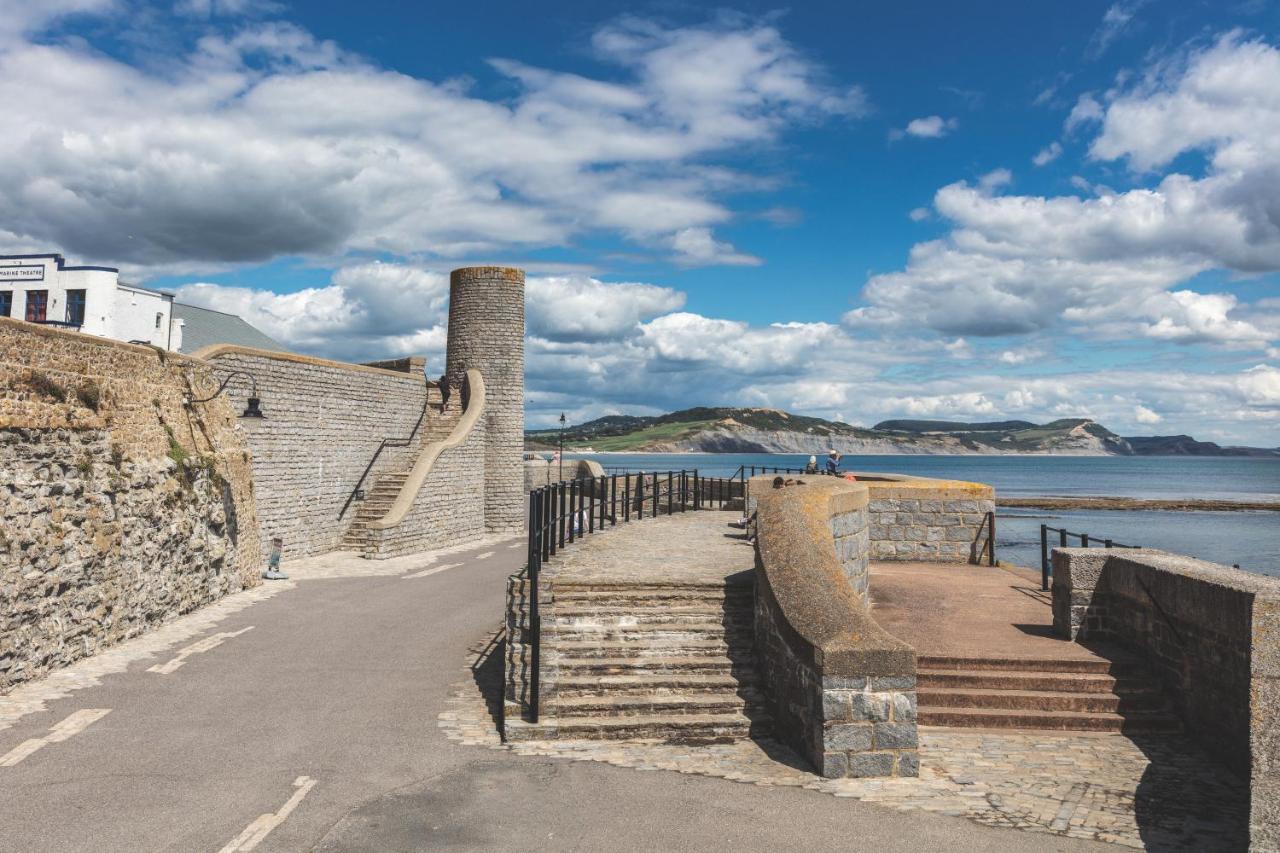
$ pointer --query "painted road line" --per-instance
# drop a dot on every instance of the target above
(253, 834)
(486, 555)
(516, 545)
(436, 570)
(210, 642)
(74, 724)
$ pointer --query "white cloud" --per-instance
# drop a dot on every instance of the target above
(586, 309)
(928, 127)
(1115, 21)
(919, 214)
(1048, 154)
(994, 180)
(1086, 111)
(269, 142)
(1143, 415)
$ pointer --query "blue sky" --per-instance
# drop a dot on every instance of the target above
(915, 209)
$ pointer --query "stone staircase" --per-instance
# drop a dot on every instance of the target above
(671, 663)
(1098, 694)
(385, 487)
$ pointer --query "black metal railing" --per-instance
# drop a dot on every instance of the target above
(1086, 541)
(980, 548)
(564, 512)
(357, 491)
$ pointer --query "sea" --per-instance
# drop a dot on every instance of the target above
(1249, 539)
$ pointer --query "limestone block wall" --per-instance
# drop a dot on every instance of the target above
(486, 333)
(1213, 635)
(121, 508)
(324, 423)
(543, 472)
(841, 689)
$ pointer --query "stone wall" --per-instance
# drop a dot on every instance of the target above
(539, 472)
(841, 689)
(122, 508)
(324, 422)
(486, 333)
(1213, 635)
(918, 518)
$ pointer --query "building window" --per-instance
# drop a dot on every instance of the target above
(37, 302)
(159, 317)
(6, 303)
(75, 307)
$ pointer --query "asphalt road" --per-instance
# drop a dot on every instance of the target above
(316, 729)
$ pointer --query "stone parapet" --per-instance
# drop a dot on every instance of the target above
(841, 689)
(924, 519)
(1213, 635)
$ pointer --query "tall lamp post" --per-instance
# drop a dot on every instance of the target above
(562, 446)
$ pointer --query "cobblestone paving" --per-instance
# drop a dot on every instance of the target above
(1162, 793)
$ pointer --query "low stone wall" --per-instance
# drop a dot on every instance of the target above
(841, 689)
(1213, 635)
(919, 518)
(122, 508)
(541, 472)
(324, 422)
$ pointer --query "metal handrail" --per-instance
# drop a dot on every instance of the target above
(386, 442)
(1063, 534)
(563, 512)
(976, 550)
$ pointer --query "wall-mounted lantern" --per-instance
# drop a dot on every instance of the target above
(253, 407)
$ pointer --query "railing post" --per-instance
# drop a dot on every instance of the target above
(1044, 557)
(534, 625)
(544, 522)
(656, 493)
(1062, 538)
(560, 519)
(573, 517)
(697, 490)
(613, 501)
(670, 493)
(626, 497)
(591, 506)
(991, 550)
(1084, 540)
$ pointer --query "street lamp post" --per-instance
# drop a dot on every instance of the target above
(562, 448)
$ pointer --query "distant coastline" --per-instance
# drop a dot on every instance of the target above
(1114, 503)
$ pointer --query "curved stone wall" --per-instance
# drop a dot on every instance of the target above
(486, 332)
(842, 690)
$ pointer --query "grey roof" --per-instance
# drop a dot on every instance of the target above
(204, 327)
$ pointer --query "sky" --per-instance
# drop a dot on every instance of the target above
(852, 210)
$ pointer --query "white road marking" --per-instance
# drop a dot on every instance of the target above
(486, 555)
(210, 642)
(516, 545)
(74, 724)
(253, 834)
(425, 572)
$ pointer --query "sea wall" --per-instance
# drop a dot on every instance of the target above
(324, 423)
(1213, 635)
(841, 689)
(123, 508)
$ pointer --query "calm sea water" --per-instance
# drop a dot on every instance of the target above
(1250, 539)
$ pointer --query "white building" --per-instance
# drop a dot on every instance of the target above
(43, 289)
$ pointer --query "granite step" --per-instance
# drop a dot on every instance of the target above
(655, 705)
(589, 623)
(1016, 680)
(1145, 699)
(569, 650)
(662, 633)
(685, 729)
(1086, 721)
(654, 667)
(661, 599)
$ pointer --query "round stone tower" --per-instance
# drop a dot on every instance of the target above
(486, 332)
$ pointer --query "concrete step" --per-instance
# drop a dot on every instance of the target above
(1079, 721)
(1041, 700)
(645, 667)
(1029, 664)
(565, 651)
(656, 683)
(1014, 680)
(655, 705)
(688, 728)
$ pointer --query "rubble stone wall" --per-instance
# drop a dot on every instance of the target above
(122, 508)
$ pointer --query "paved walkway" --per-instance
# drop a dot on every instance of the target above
(301, 715)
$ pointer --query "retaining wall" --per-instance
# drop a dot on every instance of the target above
(925, 519)
(841, 689)
(1213, 635)
(122, 508)
(324, 422)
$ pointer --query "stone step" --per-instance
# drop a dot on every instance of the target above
(682, 665)
(571, 650)
(1041, 700)
(688, 728)
(652, 598)
(1095, 665)
(1078, 721)
(656, 683)
(593, 622)
(1062, 682)
(655, 705)
(701, 609)
(634, 636)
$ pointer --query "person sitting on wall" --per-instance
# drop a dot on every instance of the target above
(812, 466)
(444, 391)
(833, 464)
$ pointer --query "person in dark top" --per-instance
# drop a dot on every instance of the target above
(444, 390)
(812, 466)
(833, 464)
